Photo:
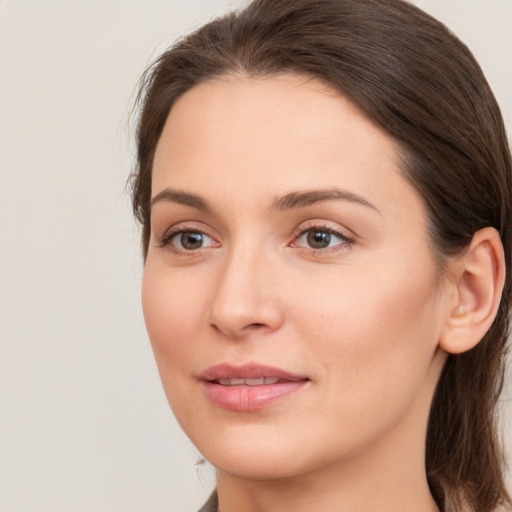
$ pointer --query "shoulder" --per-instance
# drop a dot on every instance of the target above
(212, 504)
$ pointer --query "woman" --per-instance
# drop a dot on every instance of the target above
(324, 188)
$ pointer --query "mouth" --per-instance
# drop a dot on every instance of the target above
(262, 381)
(250, 387)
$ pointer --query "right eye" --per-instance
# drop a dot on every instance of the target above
(188, 240)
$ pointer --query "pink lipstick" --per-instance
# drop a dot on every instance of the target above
(250, 387)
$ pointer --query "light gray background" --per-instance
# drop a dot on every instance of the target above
(84, 425)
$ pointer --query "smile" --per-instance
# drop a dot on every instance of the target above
(250, 387)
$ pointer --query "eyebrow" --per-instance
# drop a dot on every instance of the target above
(181, 197)
(309, 197)
(293, 200)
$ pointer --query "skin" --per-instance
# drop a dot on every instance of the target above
(362, 318)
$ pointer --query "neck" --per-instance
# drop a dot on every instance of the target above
(392, 487)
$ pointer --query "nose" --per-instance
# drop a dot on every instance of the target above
(246, 299)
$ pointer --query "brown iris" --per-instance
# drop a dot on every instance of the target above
(191, 240)
(319, 239)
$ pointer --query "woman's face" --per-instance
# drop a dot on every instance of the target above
(290, 293)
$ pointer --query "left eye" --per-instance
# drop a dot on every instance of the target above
(318, 238)
(191, 240)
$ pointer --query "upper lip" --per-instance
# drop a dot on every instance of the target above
(248, 371)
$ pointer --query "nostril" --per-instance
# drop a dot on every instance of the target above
(255, 326)
(237, 317)
(236, 333)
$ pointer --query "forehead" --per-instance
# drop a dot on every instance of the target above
(249, 136)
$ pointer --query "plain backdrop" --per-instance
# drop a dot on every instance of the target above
(84, 424)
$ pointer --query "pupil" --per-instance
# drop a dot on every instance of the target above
(192, 240)
(319, 239)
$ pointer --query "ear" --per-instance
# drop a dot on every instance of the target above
(478, 276)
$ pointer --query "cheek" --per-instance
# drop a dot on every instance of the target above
(172, 312)
(372, 326)
(372, 340)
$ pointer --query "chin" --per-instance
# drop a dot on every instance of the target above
(262, 467)
(261, 457)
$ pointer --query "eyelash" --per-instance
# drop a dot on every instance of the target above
(345, 241)
(171, 235)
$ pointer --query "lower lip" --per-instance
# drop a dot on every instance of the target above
(250, 398)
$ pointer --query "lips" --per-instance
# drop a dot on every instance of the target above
(249, 387)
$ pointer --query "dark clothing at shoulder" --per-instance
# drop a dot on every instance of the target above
(211, 505)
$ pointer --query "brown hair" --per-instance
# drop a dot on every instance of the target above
(418, 81)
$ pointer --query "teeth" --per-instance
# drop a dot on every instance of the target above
(231, 382)
(248, 382)
(255, 382)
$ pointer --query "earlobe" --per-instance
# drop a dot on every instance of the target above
(479, 276)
